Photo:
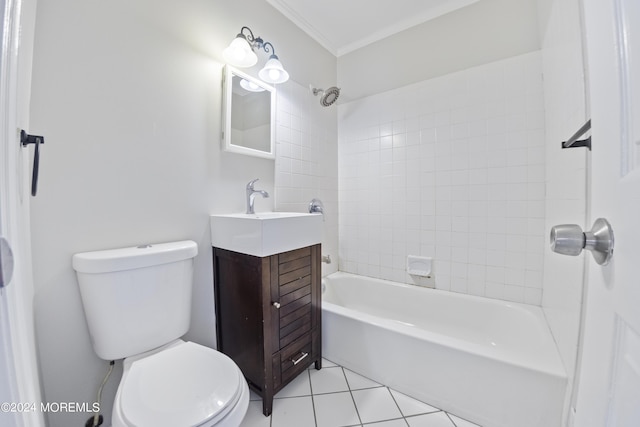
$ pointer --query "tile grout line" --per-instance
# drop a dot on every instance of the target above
(359, 389)
(351, 394)
(313, 402)
(404, 418)
(453, 422)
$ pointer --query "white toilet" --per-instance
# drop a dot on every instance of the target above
(137, 302)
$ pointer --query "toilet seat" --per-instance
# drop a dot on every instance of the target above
(184, 384)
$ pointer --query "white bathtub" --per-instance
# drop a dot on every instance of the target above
(491, 362)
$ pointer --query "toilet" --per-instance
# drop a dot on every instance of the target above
(137, 303)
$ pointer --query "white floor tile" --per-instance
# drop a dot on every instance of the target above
(254, 417)
(462, 423)
(410, 406)
(358, 382)
(392, 423)
(293, 412)
(300, 386)
(376, 404)
(342, 398)
(335, 410)
(437, 419)
(328, 380)
(325, 364)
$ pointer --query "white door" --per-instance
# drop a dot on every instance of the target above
(609, 387)
(19, 384)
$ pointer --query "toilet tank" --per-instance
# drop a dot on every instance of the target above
(136, 299)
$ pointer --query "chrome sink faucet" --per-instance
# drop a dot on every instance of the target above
(251, 195)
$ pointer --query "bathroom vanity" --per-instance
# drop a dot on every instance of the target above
(268, 315)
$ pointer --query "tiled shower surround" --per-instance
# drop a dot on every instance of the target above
(451, 168)
(306, 164)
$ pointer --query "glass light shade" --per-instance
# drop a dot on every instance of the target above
(273, 71)
(250, 86)
(239, 53)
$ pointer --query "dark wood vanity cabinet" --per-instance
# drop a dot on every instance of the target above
(268, 315)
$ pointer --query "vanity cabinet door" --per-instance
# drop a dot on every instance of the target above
(291, 293)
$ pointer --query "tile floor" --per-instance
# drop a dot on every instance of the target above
(337, 397)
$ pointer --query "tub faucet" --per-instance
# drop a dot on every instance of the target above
(316, 206)
(251, 195)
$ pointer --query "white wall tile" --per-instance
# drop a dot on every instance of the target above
(458, 174)
(307, 160)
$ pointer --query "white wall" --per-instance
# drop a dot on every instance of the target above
(567, 170)
(451, 168)
(128, 96)
(484, 32)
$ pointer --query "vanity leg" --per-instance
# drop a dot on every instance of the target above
(318, 364)
(267, 404)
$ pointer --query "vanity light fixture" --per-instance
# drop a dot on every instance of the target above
(240, 53)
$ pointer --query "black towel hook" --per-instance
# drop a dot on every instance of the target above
(26, 139)
(574, 142)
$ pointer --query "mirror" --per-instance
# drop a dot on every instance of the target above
(248, 115)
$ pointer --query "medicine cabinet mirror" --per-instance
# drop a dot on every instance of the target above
(248, 115)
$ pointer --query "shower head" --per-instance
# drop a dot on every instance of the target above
(328, 96)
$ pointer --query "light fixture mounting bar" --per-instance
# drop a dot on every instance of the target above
(256, 42)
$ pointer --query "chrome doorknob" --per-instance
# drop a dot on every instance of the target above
(568, 239)
(6, 263)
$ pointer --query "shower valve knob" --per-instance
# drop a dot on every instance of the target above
(568, 239)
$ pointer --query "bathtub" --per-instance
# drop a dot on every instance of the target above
(491, 362)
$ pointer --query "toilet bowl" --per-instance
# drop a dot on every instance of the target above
(180, 384)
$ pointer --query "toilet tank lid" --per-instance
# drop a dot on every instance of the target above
(134, 257)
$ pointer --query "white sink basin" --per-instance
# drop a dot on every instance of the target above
(267, 233)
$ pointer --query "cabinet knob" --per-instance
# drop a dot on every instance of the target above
(276, 304)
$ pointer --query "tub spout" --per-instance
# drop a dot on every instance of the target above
(316, 206)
